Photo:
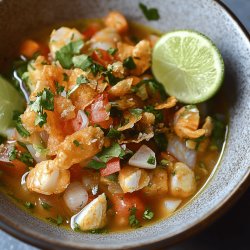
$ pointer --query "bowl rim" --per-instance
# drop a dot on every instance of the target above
(210, 218)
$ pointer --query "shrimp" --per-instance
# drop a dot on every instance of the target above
(117, 69)
(53, 176)
(117, 21)
(85, 93)
(169, 103)
(105, 39)
(121, 88)
(64, 107)
(61, 37)
(186, 122)
(182, 181)
(46, 179)
(141, 57)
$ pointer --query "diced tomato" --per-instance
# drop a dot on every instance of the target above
(112, 166)
(102, 57)
(124, 202)
(91, 30)
(75, 173)
(29, 48)
(98, 113)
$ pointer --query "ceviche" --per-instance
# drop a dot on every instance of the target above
(99, 146)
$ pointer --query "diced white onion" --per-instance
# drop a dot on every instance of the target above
(84, 119)
(178, 149)
(101, 45)
(142, 158)
(36, 155)
(172, 204)
(23, 179)
(75, 196)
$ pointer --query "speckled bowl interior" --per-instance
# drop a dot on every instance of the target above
(18, 18)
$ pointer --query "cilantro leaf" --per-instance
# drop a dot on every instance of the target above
(41, 119)
(96, 164)
(19, 126)
(59, 88)
(151, 160)
(133, 221)
(129, 63)
(65, 54)
(45, 205)
(29, 205)
(58, 221)
(112, 51)
(111, 78)
(218, 133)
(82, 61)
(113, 151)
(158, 113)
(148, 214)
(98, 231)
(149, 13)
(79, 81)
(136, 112)
(114, 134)
(77, 143)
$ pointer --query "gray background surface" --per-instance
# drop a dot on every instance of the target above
(232, 231)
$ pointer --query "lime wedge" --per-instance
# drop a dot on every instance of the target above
(189, 66)
(10, 100)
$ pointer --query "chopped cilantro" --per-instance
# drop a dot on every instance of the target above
(173, 173)
(133, 221)
(58, 220)
(98, 231)
(79, 81)
(45, 205)
(82, 61)
(19, 126)
(13, 154)
(26, 158)
(149, 13)
(148, 214)
(77, 143)
(113, 177)
(96, 68)
(111, 78)
(59, 88)
(29, 205)
(77, 227)
(218, 134)
(161, 141)
(129, 63)
(112, 51)
(136, 112)
(96, 164)
(158, 113)
(113, 151)
(114, 134)
(202, 164)
(165, 163)
(44, 101)
(66, 53)
(151, 160)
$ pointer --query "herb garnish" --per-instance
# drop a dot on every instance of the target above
(149, 13)
(112, 51)
(157, 113)
(98, 231)
(133, 221)
(45, 205)
(96, 164)
(58, 221)
(24, 157)
(151, 160)
(82, 61)
(77, 143)
(136, 112)
(129, 63)
(19, 126)
(66, 53)
(29, 205)
(59, 88)
(218, 134)
(114, 134)
(148, 214)
(113, 151)
(44, 101)
(165, 162)
(79, 81)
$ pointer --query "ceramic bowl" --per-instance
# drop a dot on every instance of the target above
(18, 18)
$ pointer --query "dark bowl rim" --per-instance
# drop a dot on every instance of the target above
(224, 206)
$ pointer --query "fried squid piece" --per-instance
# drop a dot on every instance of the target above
(46, 179)
(169, 103)
(79, 146)
(130, 120)
(128, 102)
(64, 107)
(116, 21)
(52, 176)
(121, 88)
(83, 95)
(186, 123)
